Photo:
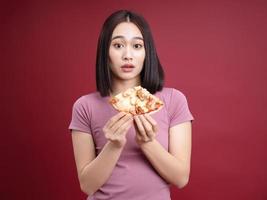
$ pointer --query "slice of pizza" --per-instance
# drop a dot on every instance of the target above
(136, 100)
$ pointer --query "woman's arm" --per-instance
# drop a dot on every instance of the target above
(172, 165)
(93, 171)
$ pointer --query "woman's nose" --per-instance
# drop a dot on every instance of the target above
(127, 54)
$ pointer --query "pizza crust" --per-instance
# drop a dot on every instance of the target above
(136, 100)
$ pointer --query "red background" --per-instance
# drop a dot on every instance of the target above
(213, 51)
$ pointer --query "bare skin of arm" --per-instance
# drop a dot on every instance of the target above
(93, 171)
(172, 165)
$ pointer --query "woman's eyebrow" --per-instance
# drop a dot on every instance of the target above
(120, 36)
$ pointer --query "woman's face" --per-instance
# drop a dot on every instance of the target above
(126, 51)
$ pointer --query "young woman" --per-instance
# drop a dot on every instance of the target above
(120, 156)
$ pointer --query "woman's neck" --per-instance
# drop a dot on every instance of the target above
(122, 85)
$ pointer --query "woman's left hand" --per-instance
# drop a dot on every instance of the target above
(146, 128)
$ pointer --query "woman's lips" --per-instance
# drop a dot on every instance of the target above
(127, 68)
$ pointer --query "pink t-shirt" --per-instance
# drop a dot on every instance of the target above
(133, 177)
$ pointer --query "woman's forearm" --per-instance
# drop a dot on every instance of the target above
(169, 168)
(96, 173)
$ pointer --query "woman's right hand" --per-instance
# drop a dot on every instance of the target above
(116, 128)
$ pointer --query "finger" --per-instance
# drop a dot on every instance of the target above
(109, 136)
(152, 122)
(140, 127)
(120, 122)
(147, 126)
(124, 127)
(114, 119)
(112, 136)
(139, 137)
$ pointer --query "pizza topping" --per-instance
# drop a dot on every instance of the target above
(136, 100)
(127, 93)
(139, 110)
(133, 100)
(114, 100)
(140, 94)
(150, 100)
(158, 104)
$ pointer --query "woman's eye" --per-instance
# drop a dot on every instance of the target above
(138, 46)
(117, 45)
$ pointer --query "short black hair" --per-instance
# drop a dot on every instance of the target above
(152, 74)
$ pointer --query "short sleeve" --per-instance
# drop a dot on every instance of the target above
(178, 108)
(80, 119)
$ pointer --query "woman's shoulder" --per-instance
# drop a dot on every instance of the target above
(169, 91)
(91, 98)
(172, 95)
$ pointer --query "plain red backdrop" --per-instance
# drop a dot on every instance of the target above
(215, 52)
